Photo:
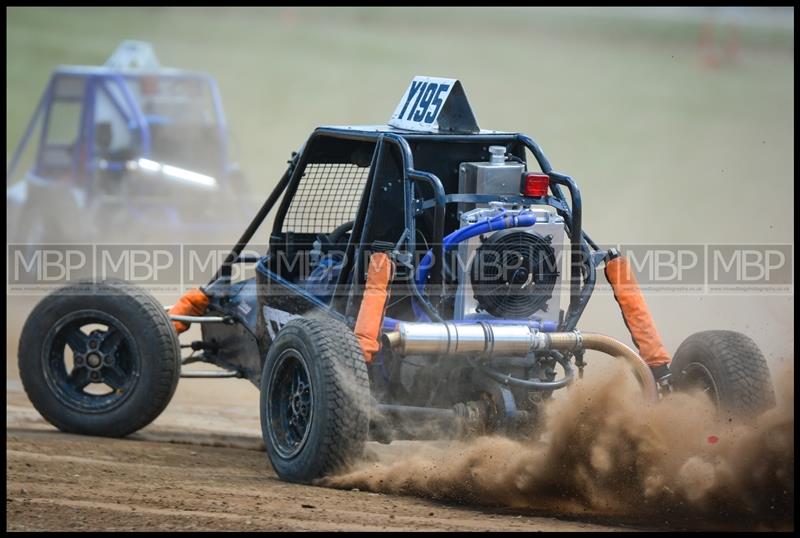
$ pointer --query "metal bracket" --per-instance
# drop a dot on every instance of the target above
(421, 206)
(228, 320)
(509, 404)
(580, 362)
(402, 257)
(210, 374)
(601, 256)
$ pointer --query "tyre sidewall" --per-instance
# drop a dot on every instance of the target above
(693, 353)
(737, 367)
(148, 343)
(306, 464)
(340, 392)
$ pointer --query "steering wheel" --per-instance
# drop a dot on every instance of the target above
(337, 234)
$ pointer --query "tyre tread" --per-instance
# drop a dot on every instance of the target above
(347, 386)
(746, 385)
(168, 351)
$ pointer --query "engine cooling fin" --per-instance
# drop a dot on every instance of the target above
(513, 274)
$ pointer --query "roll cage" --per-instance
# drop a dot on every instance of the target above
(394, 153)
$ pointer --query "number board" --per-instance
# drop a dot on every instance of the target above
(434, 104)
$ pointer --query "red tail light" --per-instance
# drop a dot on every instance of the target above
(535, 184)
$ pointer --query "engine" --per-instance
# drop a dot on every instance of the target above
(512, 273)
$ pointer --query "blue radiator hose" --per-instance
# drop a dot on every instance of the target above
(500, 222)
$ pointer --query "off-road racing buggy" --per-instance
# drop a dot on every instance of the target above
(411, 288)
(129, 145)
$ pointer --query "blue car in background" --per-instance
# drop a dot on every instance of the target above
(128, 147)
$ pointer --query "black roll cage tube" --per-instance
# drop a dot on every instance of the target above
(581, 260)
(225, 269)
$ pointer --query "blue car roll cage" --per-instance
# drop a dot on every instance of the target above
(99, 79)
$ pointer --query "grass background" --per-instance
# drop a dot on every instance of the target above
(665, 149)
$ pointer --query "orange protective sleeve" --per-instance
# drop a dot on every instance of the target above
(192, 303)
(370, 314)
(635, 312)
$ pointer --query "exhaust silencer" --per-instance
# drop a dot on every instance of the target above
(462, 339)
(488, 339)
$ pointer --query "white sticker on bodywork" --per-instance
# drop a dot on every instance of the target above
(422, 103)
(275, 320)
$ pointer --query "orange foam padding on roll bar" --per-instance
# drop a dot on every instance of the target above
(635, 312)
(192, 303)
(370, 315)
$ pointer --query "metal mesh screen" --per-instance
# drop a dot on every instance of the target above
(327, 196)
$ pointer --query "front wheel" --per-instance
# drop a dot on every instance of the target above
(314, 399)
(99, 358)
(728, 367)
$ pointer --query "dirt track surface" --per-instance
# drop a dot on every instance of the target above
(58, 481)
(66, 482)
(201, 466)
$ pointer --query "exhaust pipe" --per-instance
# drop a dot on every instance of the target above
(487, 340)
(449, 338)
(575, 340)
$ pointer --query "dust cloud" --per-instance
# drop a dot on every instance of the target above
(605, 452)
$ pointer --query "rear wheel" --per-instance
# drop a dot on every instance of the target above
(728, 367)
(314, 399)
(99, 358)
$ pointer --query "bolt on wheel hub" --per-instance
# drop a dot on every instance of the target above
(94, 360)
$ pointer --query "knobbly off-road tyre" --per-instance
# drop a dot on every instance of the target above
(314, 399)
(728, 366)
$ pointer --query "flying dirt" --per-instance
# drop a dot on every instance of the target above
(606, 452)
